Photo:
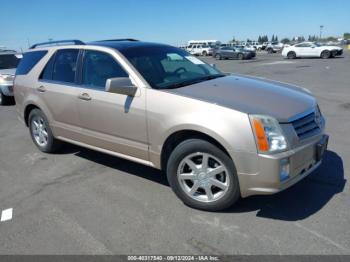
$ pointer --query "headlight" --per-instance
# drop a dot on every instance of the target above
(4, 78)
(268, 134)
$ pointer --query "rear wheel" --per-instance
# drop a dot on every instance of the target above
(41, 133)
(218, 57)
(203, 176)
(291, 55)
(325, 54)
(204, 53)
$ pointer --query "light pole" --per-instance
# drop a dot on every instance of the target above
(321, 28)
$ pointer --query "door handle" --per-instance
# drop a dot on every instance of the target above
(41, 89)
(84, 96)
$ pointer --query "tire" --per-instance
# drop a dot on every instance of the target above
(218, 57)
(44, 133)
(270, 50)
(225, 195)
(5, 100)
(240, 56)
(325, 54)
(204, 53)
(291, 55)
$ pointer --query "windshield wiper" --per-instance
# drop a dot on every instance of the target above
(194, 81)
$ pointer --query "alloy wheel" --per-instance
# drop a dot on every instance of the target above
(39, 131)
(203, 177)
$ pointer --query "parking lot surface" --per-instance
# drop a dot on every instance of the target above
(83, 202)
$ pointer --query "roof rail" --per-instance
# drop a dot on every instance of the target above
(8, 50)
(122, 39)
(75, 42)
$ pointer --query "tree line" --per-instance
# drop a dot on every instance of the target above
(312, 38)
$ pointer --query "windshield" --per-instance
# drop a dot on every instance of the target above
(9, 61)
(165, 67)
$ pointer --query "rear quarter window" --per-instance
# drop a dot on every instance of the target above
(28, 61)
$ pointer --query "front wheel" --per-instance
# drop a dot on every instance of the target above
(203, 176)
(41, 133)
(325, 54)
(218, 57)
(291, 55)
(204, 53)
(240, 56)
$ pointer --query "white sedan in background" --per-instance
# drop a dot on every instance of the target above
(309, 49)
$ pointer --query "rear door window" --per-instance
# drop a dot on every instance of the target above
(65, 65)
(28, 61)
(47, 72)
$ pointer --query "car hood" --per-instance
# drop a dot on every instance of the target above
(252, 96)
(10, 71)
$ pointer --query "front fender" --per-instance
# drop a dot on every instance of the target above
(173, 113)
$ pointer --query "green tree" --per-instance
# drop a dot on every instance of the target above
(331, 38)
(346, 35)
(301, 39)
(285, 41)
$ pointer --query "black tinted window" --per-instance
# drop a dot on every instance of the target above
(47, 72)
(65, 65)
(28, 61)
(98, 67)
(9, 61)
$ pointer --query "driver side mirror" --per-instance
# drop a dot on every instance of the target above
(121, 85)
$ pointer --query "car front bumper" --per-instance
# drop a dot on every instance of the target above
(302, 162)
(7, 89)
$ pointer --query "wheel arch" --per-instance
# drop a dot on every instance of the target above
(28, 108)
(174, 139)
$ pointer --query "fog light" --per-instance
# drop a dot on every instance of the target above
(284, 169)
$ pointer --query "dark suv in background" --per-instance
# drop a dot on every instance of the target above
(228, 52)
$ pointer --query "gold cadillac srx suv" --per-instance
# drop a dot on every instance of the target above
(217, 136)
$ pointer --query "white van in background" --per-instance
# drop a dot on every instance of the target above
(200, 49)
(211, 43)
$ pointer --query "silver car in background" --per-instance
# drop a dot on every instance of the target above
(8, 62)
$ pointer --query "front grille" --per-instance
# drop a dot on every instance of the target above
(306, 126)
